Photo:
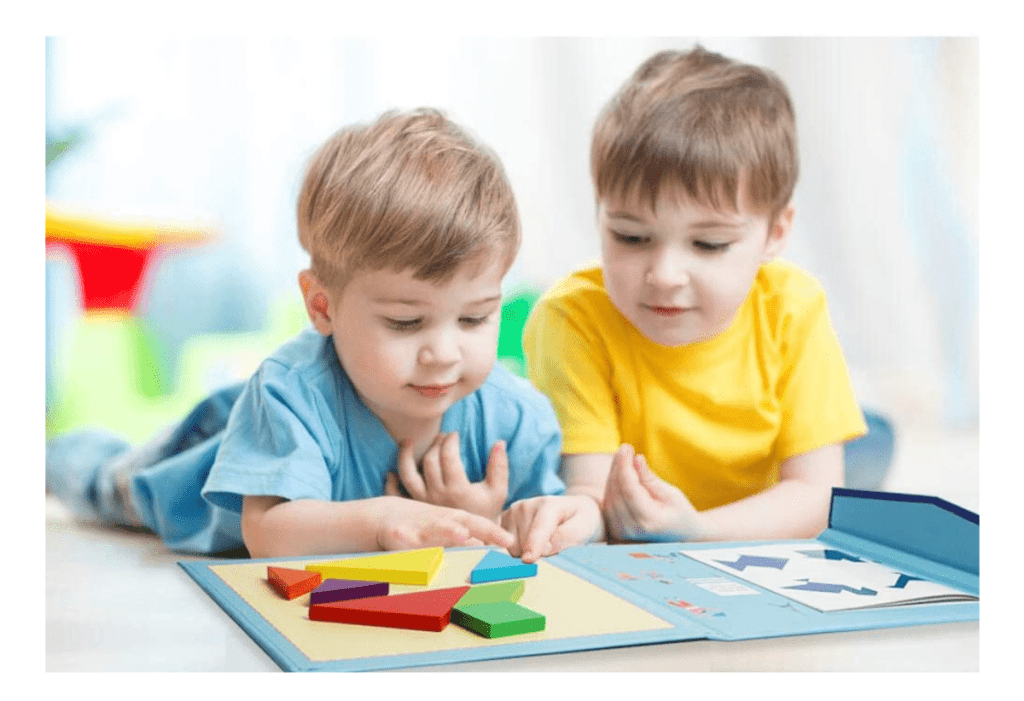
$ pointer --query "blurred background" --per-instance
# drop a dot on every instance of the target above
(192, 150)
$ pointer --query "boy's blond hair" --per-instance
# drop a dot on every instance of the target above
(410, 190)
(701, 121)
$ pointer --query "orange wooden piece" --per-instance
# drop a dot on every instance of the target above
(421, 610)
(292, 583)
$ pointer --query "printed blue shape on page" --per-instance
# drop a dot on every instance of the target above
(745, 561)
(832, 588)
(901, 582)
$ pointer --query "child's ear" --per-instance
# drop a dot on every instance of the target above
(318, 305)
(778, 234)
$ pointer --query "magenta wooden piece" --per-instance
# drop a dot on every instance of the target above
(344, 589)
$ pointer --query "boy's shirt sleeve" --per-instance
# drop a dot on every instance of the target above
(567, 360)
(819, 407)
(274, 445)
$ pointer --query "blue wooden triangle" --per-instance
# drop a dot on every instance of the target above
(496, 565)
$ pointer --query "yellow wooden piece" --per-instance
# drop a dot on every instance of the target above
(135, 232)
(405, 567)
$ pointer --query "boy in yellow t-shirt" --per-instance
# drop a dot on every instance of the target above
(700, 386)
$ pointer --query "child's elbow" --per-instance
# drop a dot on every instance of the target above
(255, 539)
(257, 527)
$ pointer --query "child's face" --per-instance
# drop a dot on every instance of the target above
(413, 348)
(679, 274)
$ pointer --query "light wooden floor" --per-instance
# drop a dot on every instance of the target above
(117, 601)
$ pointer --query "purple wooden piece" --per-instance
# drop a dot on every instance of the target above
(344, 589)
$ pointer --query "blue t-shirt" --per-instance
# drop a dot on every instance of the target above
(298, 430)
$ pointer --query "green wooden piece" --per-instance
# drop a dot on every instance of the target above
(489, 593)
(498, 619)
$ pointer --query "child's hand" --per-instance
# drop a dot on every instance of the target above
(638, 505)
(444, 480)
(543, 526)
(406, 524)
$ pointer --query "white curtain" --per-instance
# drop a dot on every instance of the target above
(217, 130)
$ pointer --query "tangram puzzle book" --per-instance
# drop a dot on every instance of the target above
(885, 560)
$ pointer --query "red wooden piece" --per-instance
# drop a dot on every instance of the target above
(421, 610)
(291, 583)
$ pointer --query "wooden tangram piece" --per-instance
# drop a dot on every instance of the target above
(422, 610)
(496, 565)
(404, 567)
(489, 593)
(291, 583)
(345, 589)
(498, 619)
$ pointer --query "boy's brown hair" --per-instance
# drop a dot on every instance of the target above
(701, 121)
(410, 190)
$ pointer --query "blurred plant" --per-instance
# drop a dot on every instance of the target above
(60, 143)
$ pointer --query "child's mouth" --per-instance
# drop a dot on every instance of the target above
(667, 311)
(433, 390)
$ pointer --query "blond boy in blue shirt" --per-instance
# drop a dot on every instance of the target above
(699, 384)
(410, 225)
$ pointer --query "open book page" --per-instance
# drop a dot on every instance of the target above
(824, 578)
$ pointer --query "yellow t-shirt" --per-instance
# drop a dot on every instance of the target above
(714, 418)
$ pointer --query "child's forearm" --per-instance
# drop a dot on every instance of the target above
(314, 527)
(796, 507)
(586, 475)
(790, 509)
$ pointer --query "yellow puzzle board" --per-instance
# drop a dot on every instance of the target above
(573, 607)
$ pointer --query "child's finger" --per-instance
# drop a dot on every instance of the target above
(612, 503)
(635, 501)
(628, 481)
(617, 516)
(639, 494)
(618, 496)
(538, 537)
(407, 472)
(622, 460)
(432, 467)
(497, 469)
(445, 532)
(391, 485)
(517, 520)
(658, 488)
(510, 522)
(487, 531)
(452, 470)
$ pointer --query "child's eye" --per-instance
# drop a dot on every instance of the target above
(707, 246)
(630, 239)
(474, 320)
(402, 324)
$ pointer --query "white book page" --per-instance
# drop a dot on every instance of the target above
(825, 578)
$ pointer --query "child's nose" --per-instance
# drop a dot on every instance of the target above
(668, 268)
(440, 349)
